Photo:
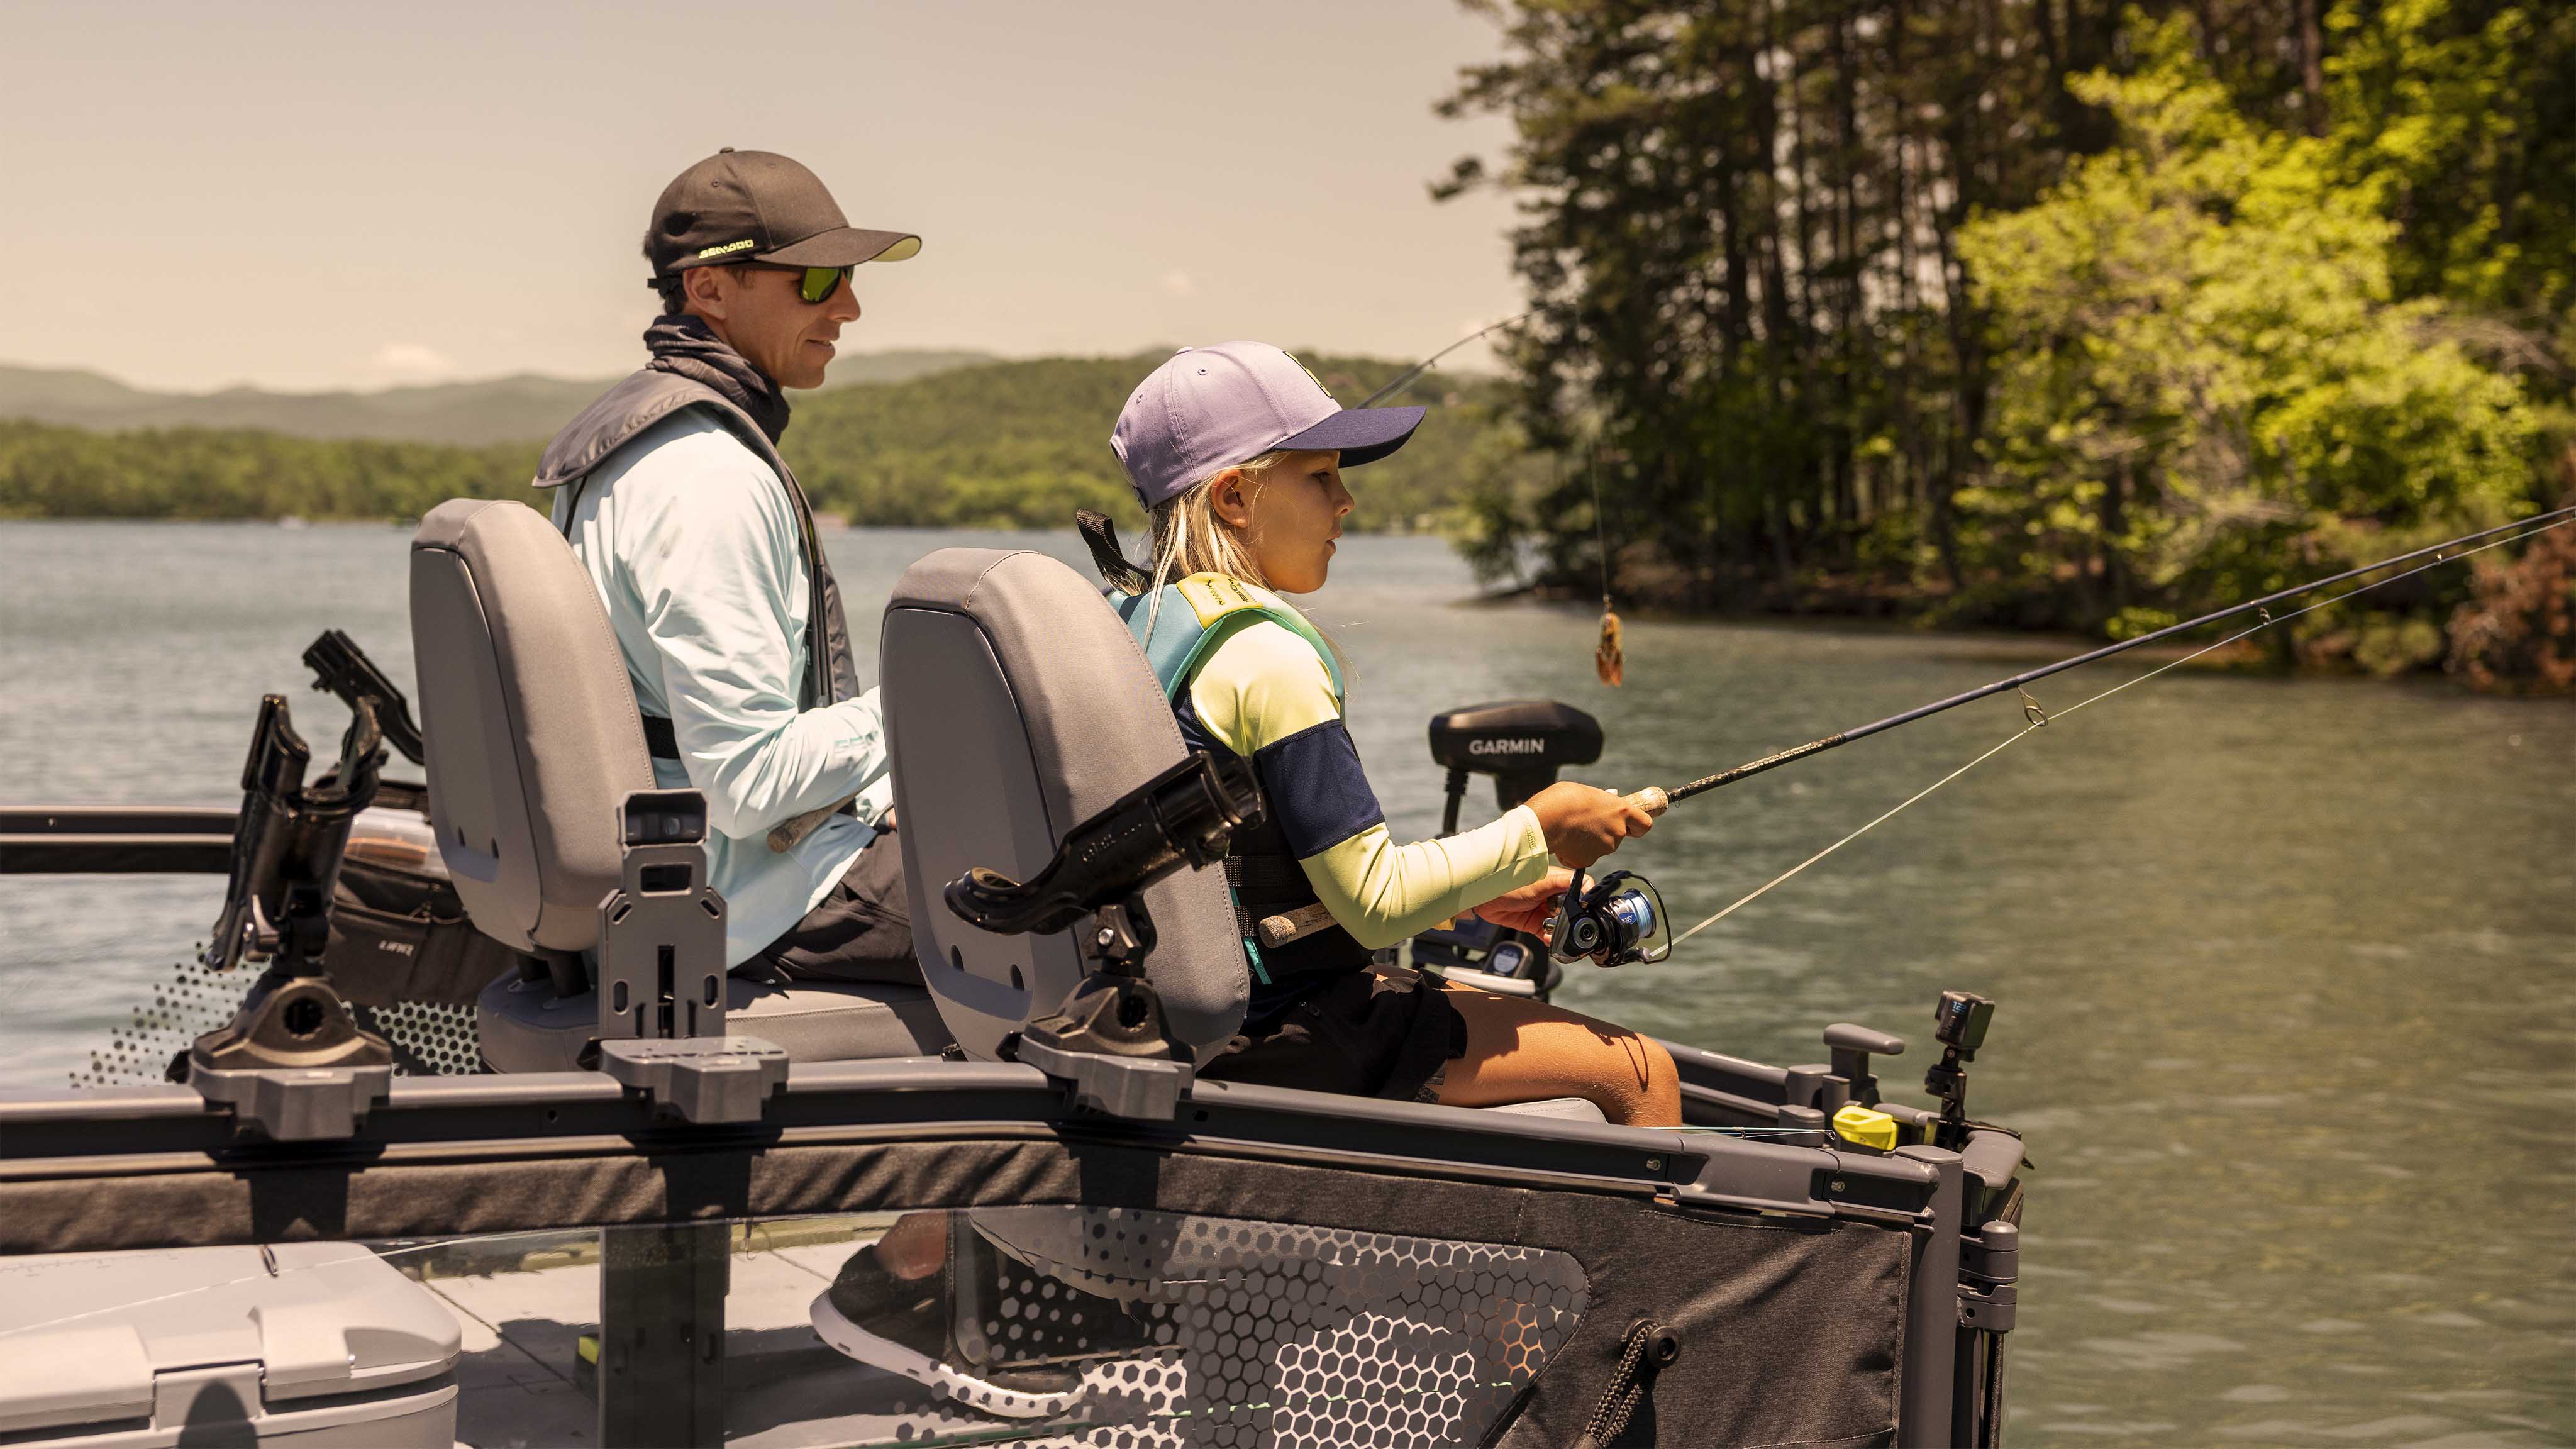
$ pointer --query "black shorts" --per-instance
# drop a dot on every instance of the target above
(1384, 1032)
(860, 931)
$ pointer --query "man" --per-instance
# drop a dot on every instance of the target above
(703, 547)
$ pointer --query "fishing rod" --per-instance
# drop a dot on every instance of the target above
(1419, 368)
(1614, 922)
(1773, 761)
(1609, 660)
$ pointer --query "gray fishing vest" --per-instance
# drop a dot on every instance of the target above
(647, 398)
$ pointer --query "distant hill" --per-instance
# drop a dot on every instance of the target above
(496, 410)
(1024, 443)
(992, 444)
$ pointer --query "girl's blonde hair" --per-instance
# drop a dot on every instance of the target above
(1188, 537)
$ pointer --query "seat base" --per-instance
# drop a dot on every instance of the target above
(526, 1027)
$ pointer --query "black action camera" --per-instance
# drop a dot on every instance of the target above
(1960, 1021)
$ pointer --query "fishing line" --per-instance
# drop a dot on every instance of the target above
(2036, 718)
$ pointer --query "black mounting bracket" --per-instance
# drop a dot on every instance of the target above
(293, 1062)
(1109, 1039)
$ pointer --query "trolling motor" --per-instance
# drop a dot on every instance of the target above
(1522, 744)
(1959, 1023)
(1109, 1038)
(293, 1061)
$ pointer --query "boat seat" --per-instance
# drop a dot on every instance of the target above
(533, 741)
(526, 1027)
(1017, 705)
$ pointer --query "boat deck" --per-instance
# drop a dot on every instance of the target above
(525, 1303)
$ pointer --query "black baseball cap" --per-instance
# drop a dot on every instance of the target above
(758, 206)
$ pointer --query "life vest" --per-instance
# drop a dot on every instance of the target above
(646, 398)
(1197, 614)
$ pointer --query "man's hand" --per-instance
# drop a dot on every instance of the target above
(1528, 908)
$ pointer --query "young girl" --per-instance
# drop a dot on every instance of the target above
(1237, 453)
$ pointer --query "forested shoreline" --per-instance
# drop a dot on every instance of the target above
(998, 445)
(2045, 313)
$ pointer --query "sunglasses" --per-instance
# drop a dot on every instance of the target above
(817, 284)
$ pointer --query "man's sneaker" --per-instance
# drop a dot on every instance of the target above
(906, 1326)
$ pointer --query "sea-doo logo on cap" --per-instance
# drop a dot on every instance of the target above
(1506, 747)
(727, 247)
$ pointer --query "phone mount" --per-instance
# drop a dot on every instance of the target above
(1109, 1038)
(293, 1062)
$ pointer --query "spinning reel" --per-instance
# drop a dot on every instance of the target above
(1613, 922)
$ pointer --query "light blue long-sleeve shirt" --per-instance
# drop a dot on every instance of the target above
(691, 541)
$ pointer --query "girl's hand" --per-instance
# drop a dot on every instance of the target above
(1583, 824)
(1528, 908)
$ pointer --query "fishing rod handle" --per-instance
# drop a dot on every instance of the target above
(1652, 800)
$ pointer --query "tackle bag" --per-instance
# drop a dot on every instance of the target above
(398, 931)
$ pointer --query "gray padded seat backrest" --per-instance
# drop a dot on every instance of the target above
(532, 732)
(1017, 706)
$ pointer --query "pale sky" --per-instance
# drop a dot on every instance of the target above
(365, 193)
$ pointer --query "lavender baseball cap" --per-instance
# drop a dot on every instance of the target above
(1209, 408)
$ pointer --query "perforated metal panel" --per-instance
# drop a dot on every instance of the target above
(428, 1039)
(1197, 1330)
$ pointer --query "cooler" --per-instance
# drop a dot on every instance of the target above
(317, 1345)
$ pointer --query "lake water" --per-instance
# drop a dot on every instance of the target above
(2286, 968)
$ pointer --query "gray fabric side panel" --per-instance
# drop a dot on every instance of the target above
(1791, 1329)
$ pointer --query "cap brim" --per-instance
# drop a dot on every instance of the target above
(844, 247)
(1360, 435)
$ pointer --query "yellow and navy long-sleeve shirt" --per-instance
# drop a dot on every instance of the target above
(1265, 695)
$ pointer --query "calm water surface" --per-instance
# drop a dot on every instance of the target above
(2287, 969)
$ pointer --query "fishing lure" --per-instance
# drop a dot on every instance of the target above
(1608, 660)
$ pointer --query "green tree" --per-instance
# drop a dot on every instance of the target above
(1740, 243)
(2461, 114)
(2209, 386)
